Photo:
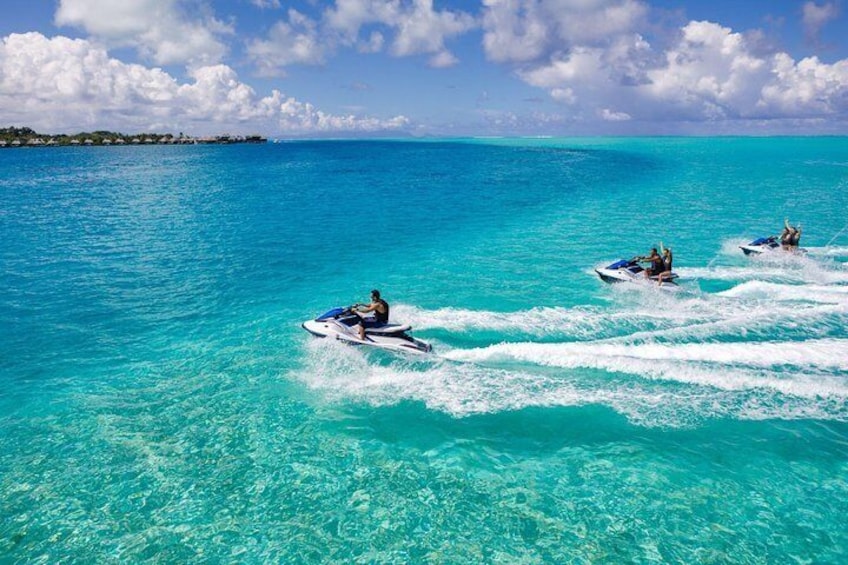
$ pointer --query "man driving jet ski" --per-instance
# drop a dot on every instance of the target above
(656, 261)
(381, 313)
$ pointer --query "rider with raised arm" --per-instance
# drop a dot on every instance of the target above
(668, 259)
(791, 236)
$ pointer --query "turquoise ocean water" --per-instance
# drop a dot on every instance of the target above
(160, 403)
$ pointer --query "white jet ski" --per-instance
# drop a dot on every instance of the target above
(767, 245)
(630, 270)
(340, 323)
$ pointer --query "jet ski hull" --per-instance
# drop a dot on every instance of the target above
(751, 250)
(632, 272)
(768, 245)
(342, 327)
(612, 276)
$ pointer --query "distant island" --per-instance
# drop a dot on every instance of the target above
(26, 137)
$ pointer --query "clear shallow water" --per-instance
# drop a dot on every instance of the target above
(160, 402)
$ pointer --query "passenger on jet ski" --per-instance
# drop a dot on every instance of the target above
(668, 259)
(791, 236)
(381, 313)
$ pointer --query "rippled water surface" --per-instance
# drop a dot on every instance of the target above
(159, 401)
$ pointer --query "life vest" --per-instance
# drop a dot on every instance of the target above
(381, 317)
(656, 264)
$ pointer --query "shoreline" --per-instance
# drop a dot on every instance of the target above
(11, 137)
(107, 141)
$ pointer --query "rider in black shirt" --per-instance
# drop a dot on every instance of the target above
(656, 261)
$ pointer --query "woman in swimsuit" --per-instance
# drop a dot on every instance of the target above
(668, 258)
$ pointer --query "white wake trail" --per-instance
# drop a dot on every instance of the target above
(829, 251)
(829, 354)
(722, 365)
(576, 322)
(346, 374)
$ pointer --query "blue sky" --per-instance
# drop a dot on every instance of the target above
(326, 68)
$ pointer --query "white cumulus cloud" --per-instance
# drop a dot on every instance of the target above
(601, 62)
(403, 27)
(527, 30)
(421, 29)
(613, 116)
(593, 58)
(815, 16)
(808, 88)
(265, 4)
(713, 73)
(65, 85)
(296, 41)
(165, 31)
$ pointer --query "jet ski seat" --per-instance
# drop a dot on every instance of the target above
(388, 329)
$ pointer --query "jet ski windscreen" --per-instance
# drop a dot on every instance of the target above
(330, 314)
(619, 264)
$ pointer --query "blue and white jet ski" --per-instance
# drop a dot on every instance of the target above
(629, 270)
(767, 245)
(340, 323)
